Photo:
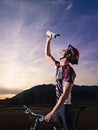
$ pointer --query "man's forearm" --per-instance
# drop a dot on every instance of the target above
(48, 51)
(47, 47)
(60, 102)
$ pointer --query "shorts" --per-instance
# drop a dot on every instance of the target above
(64, 118)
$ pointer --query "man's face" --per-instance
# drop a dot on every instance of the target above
(63, 53)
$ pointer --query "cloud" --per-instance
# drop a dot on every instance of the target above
(9, 91)
(22, 44)
(22, 40)
(68, 4)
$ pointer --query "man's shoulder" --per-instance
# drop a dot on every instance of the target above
(57, 63)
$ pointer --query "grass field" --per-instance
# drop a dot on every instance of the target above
(14, 118)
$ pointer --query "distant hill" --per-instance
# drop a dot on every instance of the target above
(45, 94)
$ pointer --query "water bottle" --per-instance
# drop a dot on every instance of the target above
(49, 33)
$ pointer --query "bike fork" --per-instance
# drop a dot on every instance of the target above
(35, 125)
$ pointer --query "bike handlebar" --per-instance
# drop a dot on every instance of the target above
(29, 111)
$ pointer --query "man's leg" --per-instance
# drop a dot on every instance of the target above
(58, 128)
(68, 120)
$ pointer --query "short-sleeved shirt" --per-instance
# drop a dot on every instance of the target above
(64, 74)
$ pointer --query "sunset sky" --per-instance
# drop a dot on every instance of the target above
(23, 26)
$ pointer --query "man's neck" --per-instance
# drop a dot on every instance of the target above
(63, 63)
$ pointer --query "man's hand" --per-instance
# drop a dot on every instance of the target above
(49, 38)
(49, 116)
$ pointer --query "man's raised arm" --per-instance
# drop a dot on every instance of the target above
(48, 51)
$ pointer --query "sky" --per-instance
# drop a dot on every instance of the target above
(23, 26)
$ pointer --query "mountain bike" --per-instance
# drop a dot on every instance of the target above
(40, 117)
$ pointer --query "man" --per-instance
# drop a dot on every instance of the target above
(61, 114)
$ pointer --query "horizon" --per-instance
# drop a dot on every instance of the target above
(21, 91)
(23, 26)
